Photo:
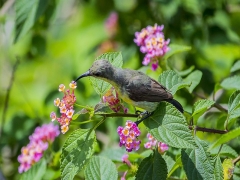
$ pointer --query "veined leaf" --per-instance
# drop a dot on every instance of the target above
(36, 172)
(231, 82)
(172, 81)
(168, 125)
(226, 138)
(99, 85)
(114, 154)
(198, 163)
(100, 168)
(200, 107)
(194, 78)
(235, 67)
(218, 170)
(225, 151)
(152, 167)
(175, 49)
(76, 151)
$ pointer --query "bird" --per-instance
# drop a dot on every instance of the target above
(133, 87)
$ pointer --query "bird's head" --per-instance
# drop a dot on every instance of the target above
(102, 69)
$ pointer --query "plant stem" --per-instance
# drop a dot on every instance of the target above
(210, 130)
(236, 160)
(118, 115)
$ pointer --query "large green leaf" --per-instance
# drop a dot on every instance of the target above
(172, 81)
(175, 49)
(152, 167)
(76, 151)
(99, 85)
(198, 163)
(114, 154)
(194, 78)
(218, 170)
(36, 172)
(168, 125)
(231, 82)
(200, 107)
(226, 137)
(100, 168)
(235, 67)
(27, 13)
(225, 151)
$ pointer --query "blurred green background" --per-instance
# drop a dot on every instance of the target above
(68, 35)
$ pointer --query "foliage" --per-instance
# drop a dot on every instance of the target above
(47, 43)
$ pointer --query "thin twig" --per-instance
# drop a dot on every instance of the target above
(8, 94)
(210, 130)
(118, 115)
(236, 160)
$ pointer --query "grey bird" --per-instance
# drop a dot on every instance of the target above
(133, 87)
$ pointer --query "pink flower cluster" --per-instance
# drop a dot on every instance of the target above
(111, 24)
(65, 106)
(39, 140)
(152, 42)
(152, 142)
(112, 100)
(128, 136)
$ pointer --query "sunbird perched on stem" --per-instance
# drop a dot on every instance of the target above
(133, 87)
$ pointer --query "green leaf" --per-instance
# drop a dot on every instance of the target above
(36, 172)
(226, 137)
(27, 13)
(235, 67)
(114, 154)
(102, 108)
(194, 78)
(218, 170)
(200, 107)
(198, 163)
(99, 85)
(172, 81)
(177, 164)
(234, 101)
(100, 168)
(175, 49)
(231, 82)
(76, 151)
(169, 161)
(225, 151)
(168, 125)
(152, 167)
(185, 72)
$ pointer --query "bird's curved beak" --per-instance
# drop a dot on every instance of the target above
(83, 75)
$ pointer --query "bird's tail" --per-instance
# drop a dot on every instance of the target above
(176, 104)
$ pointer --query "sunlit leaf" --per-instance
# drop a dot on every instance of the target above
(100, 168)
(99, 85)
(235, 67)
(228, 168)
(76, 151)
(226, 138)
(36, 172)
(152, 167)
(168, 125)
(231, 82)
(172, 81)
(194, 78)
(198, 163)
(234, 101)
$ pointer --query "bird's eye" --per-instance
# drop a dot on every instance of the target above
(97, 74)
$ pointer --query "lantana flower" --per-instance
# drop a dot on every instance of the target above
(111, 24)
(152, 43)
(152, 142)
(39, 142)
(113, 101)
(128, 136)
(65, 106)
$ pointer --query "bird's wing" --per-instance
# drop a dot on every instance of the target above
(143, 88)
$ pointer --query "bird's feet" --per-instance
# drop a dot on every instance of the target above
(142, 116)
